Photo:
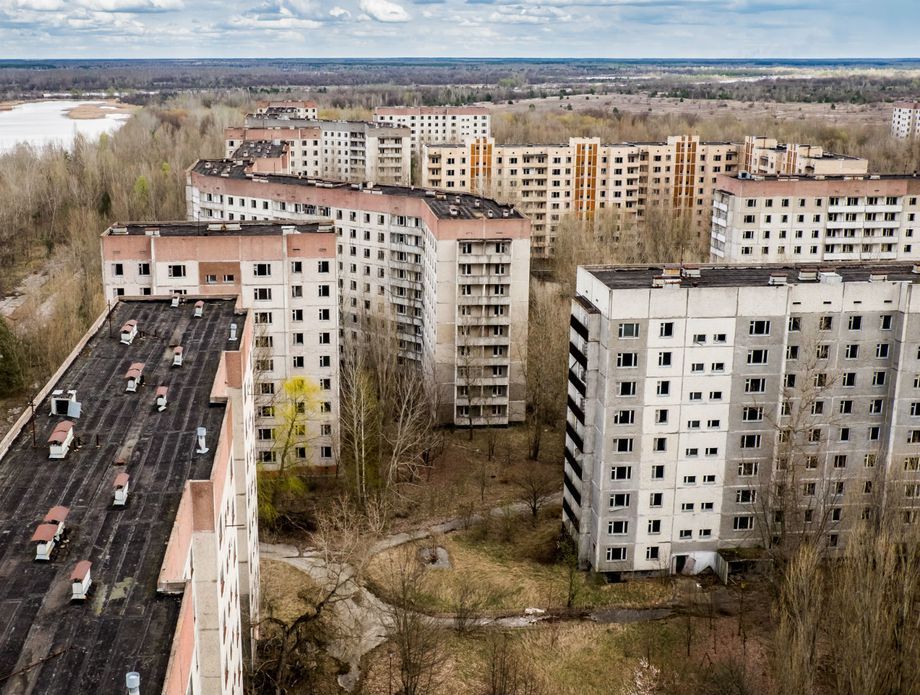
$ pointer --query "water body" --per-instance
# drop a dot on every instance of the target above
(46, 122)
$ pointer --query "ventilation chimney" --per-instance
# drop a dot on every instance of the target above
(232, 332)
(134, 376)
(199, 309)
(202, 446)
(120, 489)
(175, 301)
(133, 682)
(177, 356)
(60, 440)
(161, 398)
(128, 332)
(80, 580)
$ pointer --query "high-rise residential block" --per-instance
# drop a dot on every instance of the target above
(135, 478)
(763, 156)
(829, 218)
(450, 272)
(345, 150)
(713, 408)
(286, 273)
(905, 120)
(437, 124)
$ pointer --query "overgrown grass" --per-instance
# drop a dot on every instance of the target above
(497, 569)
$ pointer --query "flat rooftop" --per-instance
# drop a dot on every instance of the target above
(442, 203)
(626, 277)
(657, 143)
(283, 120)
(184, 228)
(756, 178)
(251, 149)
(48, 644)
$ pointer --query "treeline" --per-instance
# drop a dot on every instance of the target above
(884, 152)
(57, 202)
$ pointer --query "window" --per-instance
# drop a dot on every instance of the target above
(624, 417)
(619, 500)
(651, 552)
(143, 269)
(263, 317)
(617, 528)
(265, 434)
(263, 294)
(664, 359)
(757, 357)
(118, 269)
(878, 378)
(886, 322)
(616, 554)
(322, 266)
(658, 472)
(743, 523)
(713, 424)
(696, 367)
(696, 395)
(825, 323)
(325, 361)
(851, 352)
(663, 388)
(750, 441)
(849, 379)
(745, 496)
(748, 468)
(175, 271)
(687, 506)
(715, 395)
(654, 526)
(324, 338)
(854, 323)
(627, 388)
(758, 385)
(699, 338)
(660, 444)
(691, 452)
(795, 323)
(752, 414)
(822, 351)
(262, 269)
(629, 330)
(881, 351)
(792, 352)
(666, 329)
(689, 480)
(685, 534)
(323, 291)
(628, 360)
(693, 424)
(759, 328)
(621, 473)
(661, 416)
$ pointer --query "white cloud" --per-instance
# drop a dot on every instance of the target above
(384, 10)
(71, 6)
(339, 13)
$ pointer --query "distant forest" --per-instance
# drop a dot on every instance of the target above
(446, 81)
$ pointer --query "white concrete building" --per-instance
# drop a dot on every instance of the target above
(773, 219)
(450, 271)
(905, 120)
(716, 407)
(431, 125)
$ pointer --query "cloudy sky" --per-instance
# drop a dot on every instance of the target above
(381, 28)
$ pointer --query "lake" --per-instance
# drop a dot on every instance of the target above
(46, 122)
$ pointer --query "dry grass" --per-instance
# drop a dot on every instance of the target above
(282, 588)
(505, 582)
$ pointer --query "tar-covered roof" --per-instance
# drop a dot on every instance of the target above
(641, 276)
(48, 644)
(443, 203)
(255, 228)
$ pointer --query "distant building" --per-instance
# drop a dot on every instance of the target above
(159, 574)
(433, 125)
(288, 108)
(451, 272)
(584, 177)
(712, 408)
(285, 272)
(762, 156)
(905, 120)
(768, 219)
(354, 151)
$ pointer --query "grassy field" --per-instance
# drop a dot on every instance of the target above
(494, 570)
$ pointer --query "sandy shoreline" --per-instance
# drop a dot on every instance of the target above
(85, 112)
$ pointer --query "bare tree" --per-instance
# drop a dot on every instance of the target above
(507, 673)
(533, 485)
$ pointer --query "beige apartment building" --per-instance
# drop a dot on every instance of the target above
(286, 273)
(153, 573)
(905, 120)
(715, 407)
(585, 176)
(344, 150)
(771, 219)
(288, 108)
(432, 125)
(450, 271)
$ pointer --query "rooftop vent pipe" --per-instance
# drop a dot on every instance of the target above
(202, 447)
(133, 682)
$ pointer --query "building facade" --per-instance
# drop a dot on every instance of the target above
(285, 273)
(344, 150)
(451, 272)
(833, 218)
(160, 511)
(584, 177)
(905, 120)
(762, 156)
(716, 407)
(288, 108)
(431, 125)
